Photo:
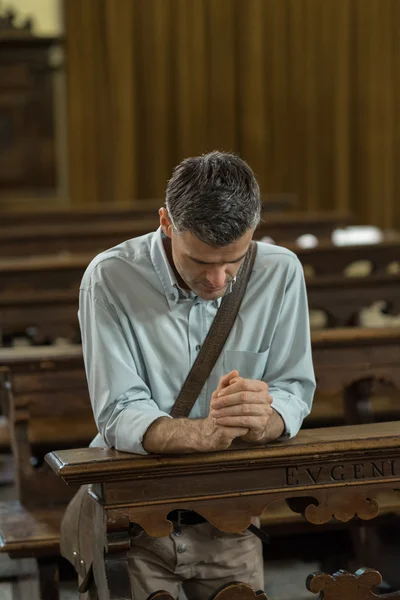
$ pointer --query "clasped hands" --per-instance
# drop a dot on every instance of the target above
(241, 408)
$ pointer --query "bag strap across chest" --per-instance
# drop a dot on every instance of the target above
(215, 340)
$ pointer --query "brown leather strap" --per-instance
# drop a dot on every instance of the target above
(215, 340)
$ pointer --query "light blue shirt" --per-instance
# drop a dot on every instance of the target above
(141, 334)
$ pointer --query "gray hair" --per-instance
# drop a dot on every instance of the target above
(214, 196)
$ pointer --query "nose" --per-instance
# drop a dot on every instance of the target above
(217, 277)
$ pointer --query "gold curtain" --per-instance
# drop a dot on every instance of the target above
(308, 91)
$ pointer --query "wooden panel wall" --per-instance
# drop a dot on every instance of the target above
(308, 91)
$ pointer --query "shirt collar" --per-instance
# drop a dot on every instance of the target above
(167, 276)
(163, 269)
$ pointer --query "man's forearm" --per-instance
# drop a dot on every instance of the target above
(172, 436)
(180, 436)
(183, 436)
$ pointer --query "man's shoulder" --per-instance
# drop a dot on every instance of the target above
(128, 255)
(269, 255)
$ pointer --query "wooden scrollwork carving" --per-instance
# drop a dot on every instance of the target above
(318, 508)
(238, 591)
(340, 506)
(231, 591)
(347, 586)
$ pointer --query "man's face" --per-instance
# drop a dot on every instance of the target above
(206, 270)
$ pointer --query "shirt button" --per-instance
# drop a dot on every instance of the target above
(182, 548)
(172, 297)
(198, 347)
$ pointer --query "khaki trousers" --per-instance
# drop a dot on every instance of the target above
(199, 558)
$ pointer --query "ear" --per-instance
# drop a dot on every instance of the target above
(165, 222)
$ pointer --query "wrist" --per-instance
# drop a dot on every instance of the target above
(193, 437)
(200, 438)
(275, 428)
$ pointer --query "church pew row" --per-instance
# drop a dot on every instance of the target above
(325, 473)
(46, 399)
(328, 259)
(353, 364)
(41, 293)
(342, 299)
(342, 359)
(54, 214)
(39, 297)
(86, 236)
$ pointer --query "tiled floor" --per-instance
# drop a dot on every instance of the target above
(286, 581)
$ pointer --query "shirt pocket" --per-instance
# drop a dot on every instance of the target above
(251, 365)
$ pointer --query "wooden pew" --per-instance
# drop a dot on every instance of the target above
(326, 259)
(353, 363)
(43, 389)
(362, 366)
(46, 398)
(322, 473)
(287, 228)
(53, 214)
(28, 240)
(42, 292)
(343, 358)
(45, 395)
(38, 239)
(342, 298)
(350, 364)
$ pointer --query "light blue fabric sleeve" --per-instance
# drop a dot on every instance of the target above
(121, 401)
(290, 372)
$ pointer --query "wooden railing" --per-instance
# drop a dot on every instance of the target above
(322, 473)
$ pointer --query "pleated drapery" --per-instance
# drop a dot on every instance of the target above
(308, 91)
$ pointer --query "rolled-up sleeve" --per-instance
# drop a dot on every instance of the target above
(290, 372)
(121, 401)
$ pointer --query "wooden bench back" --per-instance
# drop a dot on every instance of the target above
(115, 211)
(48, 406)
(42, 292)
(79, 237)
(45, 395)
(344, 356)
(28, 240)
(91, 213)
(65, 271)
(342, 298)
(350, 365)
(327, 259)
